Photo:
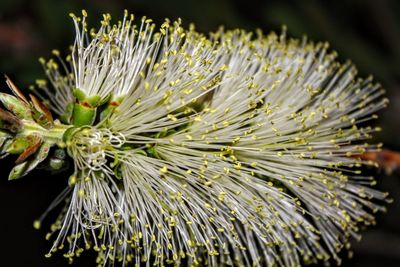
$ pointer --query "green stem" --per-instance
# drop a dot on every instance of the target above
(53, 135)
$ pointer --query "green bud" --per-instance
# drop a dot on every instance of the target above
(59, 154)
(93, 101)
(83, 114)
(57, 161)
(56, 164)
(16, 106)
(19, 170)
(79, 94)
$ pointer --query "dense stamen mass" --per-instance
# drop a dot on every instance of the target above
(238, 149)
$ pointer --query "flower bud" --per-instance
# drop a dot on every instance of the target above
(83, 114)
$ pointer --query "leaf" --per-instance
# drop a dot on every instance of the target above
(5, 144)
(4, 135)
(16, 106)
(9, 122)
(31, 149)
(18, 145)
(15, 90)
(67, 115)
(3, 138)
(46, 119)
(24, 168)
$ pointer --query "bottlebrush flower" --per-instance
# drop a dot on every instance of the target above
(234, 149)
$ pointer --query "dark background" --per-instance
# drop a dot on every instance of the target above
(367, 32)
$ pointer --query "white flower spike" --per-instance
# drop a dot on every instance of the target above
(235, 149)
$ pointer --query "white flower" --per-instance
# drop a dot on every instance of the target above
(239, 149)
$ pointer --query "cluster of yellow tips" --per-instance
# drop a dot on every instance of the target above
(234, 149)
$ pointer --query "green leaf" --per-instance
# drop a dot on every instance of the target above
(10, 122)
(4, 134)
(24, 168)
(5, 144)
(67, 115)
(18, 145)
(16, 106)
(3, 140)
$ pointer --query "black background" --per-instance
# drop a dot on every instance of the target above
(367, 32)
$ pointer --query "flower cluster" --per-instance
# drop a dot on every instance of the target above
(235, 149)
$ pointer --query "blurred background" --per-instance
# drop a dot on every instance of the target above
(365, 31)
